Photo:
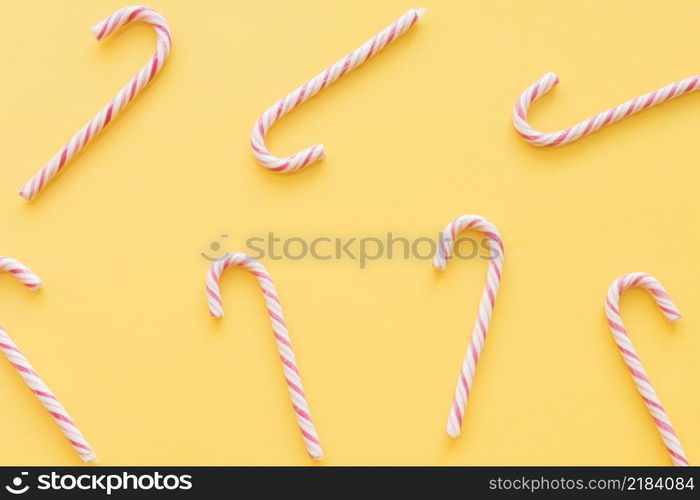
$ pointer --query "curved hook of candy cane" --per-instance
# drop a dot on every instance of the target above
(488, 300)
(279, 327)
(102, 30)
(315, 85)
(612, 115)
(31, 377)
(629, 354)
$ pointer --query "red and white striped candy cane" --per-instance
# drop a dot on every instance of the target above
(102, 30)
(629, 354)
(315, 85)
(31, 377)
(488, 300)
(279, 327)
(612, 115)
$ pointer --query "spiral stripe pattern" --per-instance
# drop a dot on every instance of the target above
(31, 377)
(315, 85)
(612, 115)
(488, 301)
(279, 327)
(629, 354)
(102, 30)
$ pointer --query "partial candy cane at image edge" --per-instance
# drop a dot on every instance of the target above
(32, 378)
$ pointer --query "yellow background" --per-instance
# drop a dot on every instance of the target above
(418, 135)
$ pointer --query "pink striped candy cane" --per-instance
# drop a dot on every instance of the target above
(315, 85)
(612, 115)
(102, 30)
(31, 377)
(279, 327)
(629, 354)
(488, 300)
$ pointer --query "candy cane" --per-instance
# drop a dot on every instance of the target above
(315, 85)
(102, 30)
(612, 115)
(31, 377)
(629, 354)
(279, 327)
(488, 300)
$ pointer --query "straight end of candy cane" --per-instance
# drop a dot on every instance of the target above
(453, 432)
(90, 458)
(34, 286)
(313, 447)
(454, 421)
(96, 30)
(672, 316)
(420, 12)
(551, 76)
(26, 193)
(320, 153)
(439, 263)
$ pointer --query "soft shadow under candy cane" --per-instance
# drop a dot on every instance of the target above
(488, 301)
(31, 377)
(102, 30)
(279, 327)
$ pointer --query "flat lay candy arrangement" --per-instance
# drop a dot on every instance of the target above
(492, 240)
